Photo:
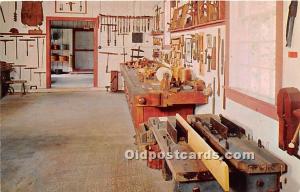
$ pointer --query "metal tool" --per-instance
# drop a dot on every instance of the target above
(5, 41)
(70, 5)
(20, 70)
(40, 74)
(124, 55)
(26, 40)
(214, 97)
(38, 48)
(80, 6)
(222, 57)
(30, 71)
(15, 13)
(208, 62)
(218, 65)
(290, 22)
(16, 40)
(107, 59)
(61, 7)
(2, 13)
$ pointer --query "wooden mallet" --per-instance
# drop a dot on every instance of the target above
(296, 135)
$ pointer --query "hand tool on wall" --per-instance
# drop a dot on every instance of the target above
(214, 55)
(209, 43)
(130, 24)
(115, 32)
(40, 74)
(61, 7)
(290, 22)
(123, 38)
(101, 22)
(26, 40)
(80, 6)
(16, 40)
(222, 57)
(71, 5)
(124, 54)
(43, 47)
(224, 92)
(124, 25)
(15, 13)
(5, 41)
(108, 35)
(2, 13)
(38, 48)
(107, 59)
(208, 62)
(214, 97)
(206, 57)
(218, 66)
(30, 71)
(20, 70)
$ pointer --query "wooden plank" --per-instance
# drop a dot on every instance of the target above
(182, 170)
(264, 161)
(218, 168)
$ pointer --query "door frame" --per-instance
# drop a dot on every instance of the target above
(95, 21)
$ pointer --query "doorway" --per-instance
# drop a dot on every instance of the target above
(72, 56)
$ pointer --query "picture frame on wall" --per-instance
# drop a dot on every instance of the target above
(72, 7)
(188, 50)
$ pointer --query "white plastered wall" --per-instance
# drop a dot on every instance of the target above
(94, 8)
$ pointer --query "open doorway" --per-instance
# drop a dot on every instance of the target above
(72, 52)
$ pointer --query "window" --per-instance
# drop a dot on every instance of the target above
(254, 54)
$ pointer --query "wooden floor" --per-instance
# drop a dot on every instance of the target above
(71, 141)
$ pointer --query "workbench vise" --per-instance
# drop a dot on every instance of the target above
(288, 110)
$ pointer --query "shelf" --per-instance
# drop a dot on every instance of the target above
(201, 26)
(22, 34)
(157, 33)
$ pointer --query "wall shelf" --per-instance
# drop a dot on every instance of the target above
(201, 26)
(22, 34)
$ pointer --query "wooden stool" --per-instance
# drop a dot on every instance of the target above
(22, 82)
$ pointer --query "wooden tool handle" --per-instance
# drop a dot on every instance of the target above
(294, 140)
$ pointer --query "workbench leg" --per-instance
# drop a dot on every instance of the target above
(166, 172)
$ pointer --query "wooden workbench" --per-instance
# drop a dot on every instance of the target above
(145, 99)
(187, 174)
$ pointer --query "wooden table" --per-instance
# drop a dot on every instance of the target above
(146, 100)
